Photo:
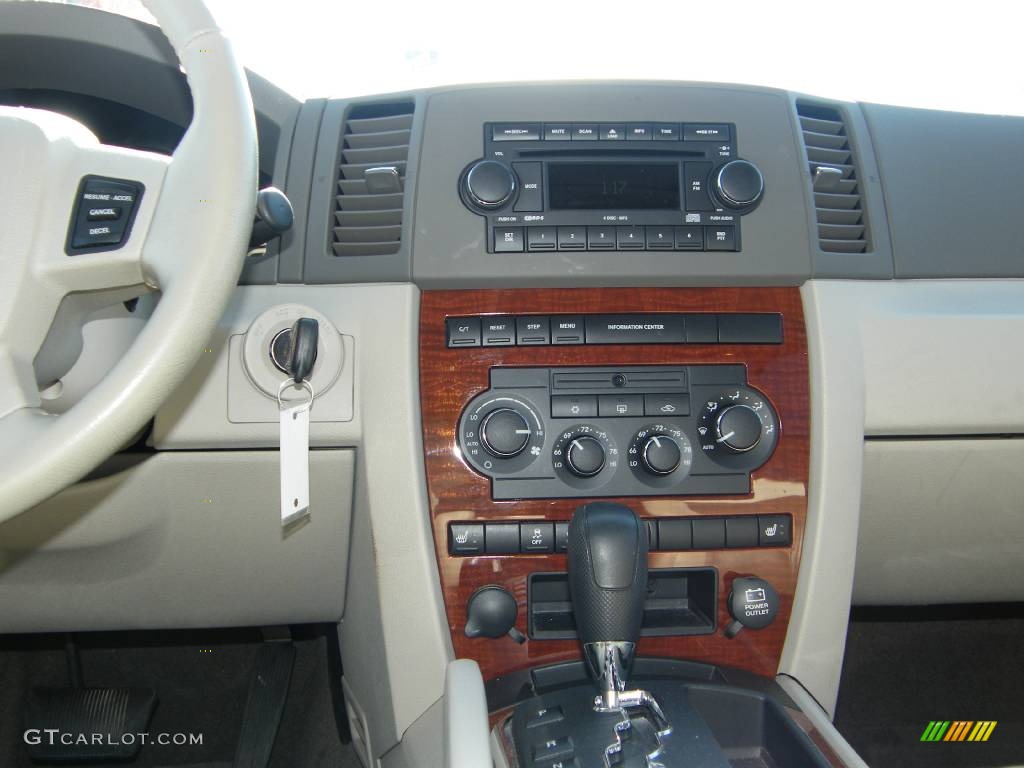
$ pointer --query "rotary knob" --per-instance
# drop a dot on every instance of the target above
(739, 428)
(660, 455)
(505, 433)
(585, 456)
(739, 184)
(488, 185)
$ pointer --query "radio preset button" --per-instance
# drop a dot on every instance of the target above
(585, 131)
(572, 238)
(689, 237)
(629, 238)
(613, 132)
(666, 131)
(557, 131)
(515, 131)
(720, 238)
(660, 238)
(706, 132)
(508, 239)
(601, 238)
(638, 132)
(541, 239)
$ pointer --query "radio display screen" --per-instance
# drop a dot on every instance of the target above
(613, 186)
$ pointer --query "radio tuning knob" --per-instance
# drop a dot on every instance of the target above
(488, 185)
(738, 184)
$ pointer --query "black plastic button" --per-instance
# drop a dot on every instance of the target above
(689, 238)
(666, 131)
(573, 406)
(601, 238)
(652, 535)
(498, 331)
(675, 534)
(696, 187)
(620, 405)
(613, 132)
(536, 537)
(572, 238)
(774, 530)
(531, 193)
(463, 331)
(465, 539)
(740, 532)
(739, 328)
(533, 330)
(585, 131)
(666, 405)
(660, 238)
(720, 238)
(549, 715)
(502, 538)
(638, 132)
(508, 239)
(557, 131)
(561, 537)
(702, 328)
(552, 749)
(709, 533)
(541, 239)
(103, 213)
(515, 131)
(706, 132)
(566, 329)
(95, 234)
(664, 328)
(629, 238)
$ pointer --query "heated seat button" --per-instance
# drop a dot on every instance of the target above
(774, 530)
(466, 539)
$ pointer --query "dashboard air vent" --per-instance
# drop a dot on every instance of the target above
(837, 196)
(368, 199)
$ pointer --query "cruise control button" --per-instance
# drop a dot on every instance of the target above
(508, 239)
(109, 213)
(533, 330)
(720, 238)
(666, 405)
(601, 238)
(463, 331)
(515, 132)
(541, 239)
(536, 537)
(629, 238)
(465, 539)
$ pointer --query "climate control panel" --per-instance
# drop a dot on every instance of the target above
(618, 431)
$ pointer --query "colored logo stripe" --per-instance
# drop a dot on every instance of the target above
(958, 730)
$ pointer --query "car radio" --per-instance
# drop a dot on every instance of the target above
(611, 187)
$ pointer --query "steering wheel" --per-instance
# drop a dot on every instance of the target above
(187, 239)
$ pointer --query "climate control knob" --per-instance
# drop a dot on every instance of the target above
(739, 428)
(488, 185)
(660, 455)
(505, 433)
(584, 456)
(738, 184)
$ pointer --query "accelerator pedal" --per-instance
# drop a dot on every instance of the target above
(98, 724)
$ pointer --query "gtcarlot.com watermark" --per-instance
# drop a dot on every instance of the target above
(53, 736)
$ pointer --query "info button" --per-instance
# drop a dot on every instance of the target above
(635, 329)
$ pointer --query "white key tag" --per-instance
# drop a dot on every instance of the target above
(294, 452)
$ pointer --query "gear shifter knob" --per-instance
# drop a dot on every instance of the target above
(608, 581)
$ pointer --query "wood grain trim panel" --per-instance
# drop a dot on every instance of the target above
(449, 378)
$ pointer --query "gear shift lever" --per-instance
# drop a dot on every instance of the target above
(607, 581)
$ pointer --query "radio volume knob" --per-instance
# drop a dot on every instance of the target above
(488, 185)
(738, 184)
